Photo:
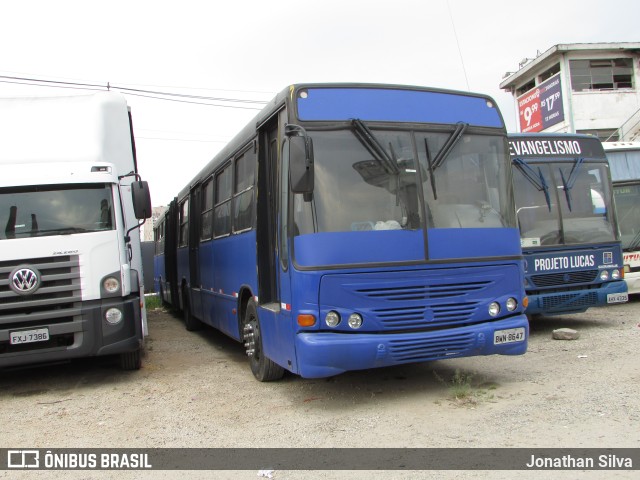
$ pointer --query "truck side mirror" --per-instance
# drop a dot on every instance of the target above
(301, 168)
(141, 197)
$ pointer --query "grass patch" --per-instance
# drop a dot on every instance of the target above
(152, 302)
(463, 390)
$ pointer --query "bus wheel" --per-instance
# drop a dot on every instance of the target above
(190, 322)
(264, 369)
(131, 360)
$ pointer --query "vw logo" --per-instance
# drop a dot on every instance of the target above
(24, 280)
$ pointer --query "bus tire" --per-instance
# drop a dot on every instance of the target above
(190, 322)
(263, 368)
(131, 360)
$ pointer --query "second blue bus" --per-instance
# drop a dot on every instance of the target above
(567, 221)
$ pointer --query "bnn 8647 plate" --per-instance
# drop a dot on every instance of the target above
(511, 335)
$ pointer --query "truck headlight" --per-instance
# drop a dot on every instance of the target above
(512, 304)
(113, 316)
(494, 309)
(615, 274)
(604, 275)
(111, 284)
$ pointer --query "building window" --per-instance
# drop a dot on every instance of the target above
(549, 73)
(607, 74)
(526, 87)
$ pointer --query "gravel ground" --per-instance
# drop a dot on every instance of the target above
(196, 390)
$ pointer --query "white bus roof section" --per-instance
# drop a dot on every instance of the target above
(613, 146)
(92, 128)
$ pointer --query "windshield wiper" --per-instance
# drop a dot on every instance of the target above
(371, 143)
(568, 183)
(432, 179)
(538, 180)
(451, 142)
(434, 163)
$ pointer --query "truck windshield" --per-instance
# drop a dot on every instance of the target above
(46, 210)
(357, 187)
(575, 211)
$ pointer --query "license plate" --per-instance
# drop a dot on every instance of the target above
(511, 335)
(617, 297)
(29, 336)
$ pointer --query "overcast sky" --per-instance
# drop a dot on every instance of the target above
(252, 49)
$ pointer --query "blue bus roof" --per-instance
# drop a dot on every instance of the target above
(395, 104)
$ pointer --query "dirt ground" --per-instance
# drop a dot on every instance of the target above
(196, 390)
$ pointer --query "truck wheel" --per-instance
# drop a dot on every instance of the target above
(264, 369)
(131, 360)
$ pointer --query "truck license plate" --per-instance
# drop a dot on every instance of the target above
(617, 297)
(29, 336)
(511, 335)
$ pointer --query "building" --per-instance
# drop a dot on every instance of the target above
(588, 88)
(147, 228)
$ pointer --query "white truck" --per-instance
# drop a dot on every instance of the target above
(71, 199)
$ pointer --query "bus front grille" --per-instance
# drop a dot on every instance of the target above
(570, 300)
(430, 349)
(555, 279)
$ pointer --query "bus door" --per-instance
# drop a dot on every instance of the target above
(266, 228)
(194, 245)
(170, 257)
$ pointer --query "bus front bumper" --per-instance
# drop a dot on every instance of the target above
(324, 354)
(577, 301)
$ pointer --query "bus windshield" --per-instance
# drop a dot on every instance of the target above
(47, 210)
(379, 184)
(564, 202)
(628, 209)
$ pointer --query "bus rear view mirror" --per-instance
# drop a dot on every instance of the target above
(141, 198)
(301, 164)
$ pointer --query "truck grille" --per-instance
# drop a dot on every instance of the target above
(56, 300)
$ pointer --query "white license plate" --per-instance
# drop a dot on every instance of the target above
(29, 336)
(511, 335)
(617, 297)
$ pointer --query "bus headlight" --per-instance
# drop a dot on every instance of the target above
(355, 320)
(113, 316)
(494, 309)
(615, 274)
(604, 275)
(332, 319)
(512, 304)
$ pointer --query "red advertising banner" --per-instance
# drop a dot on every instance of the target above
(541, 107)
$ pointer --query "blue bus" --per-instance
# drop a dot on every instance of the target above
(352, 226)
(568, 227)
